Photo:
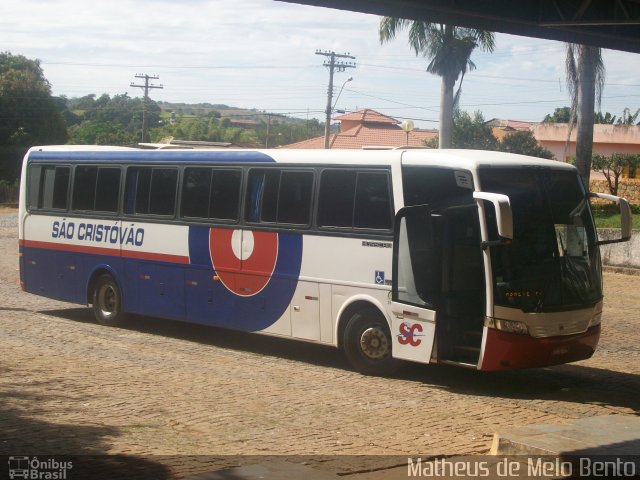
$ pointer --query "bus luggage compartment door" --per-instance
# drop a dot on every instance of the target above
(413, 331)
(413, 318)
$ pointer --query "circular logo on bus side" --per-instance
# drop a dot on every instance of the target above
(247, 290)
(244, 260)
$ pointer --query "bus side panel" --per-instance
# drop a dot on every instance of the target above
(159, 288)
(155, 258)
(205, 301)
(346, 269)
(39, 274)
(56, 259)
(71, 276)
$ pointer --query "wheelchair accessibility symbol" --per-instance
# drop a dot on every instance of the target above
(379, 277)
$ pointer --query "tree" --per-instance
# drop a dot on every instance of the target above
(585, 79)
(469, 132)
(606, 119)
(559, 115)
(563, 115)
(449, 50)
(30, 115)
(472, 132)
(99, 133)
(613, 166)
(628, 118)
(524, 143)
(120, 110)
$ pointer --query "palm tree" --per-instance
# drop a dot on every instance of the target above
(585, 79)
(448, 49)
(628, 118)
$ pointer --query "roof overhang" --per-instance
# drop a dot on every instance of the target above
(613, 24)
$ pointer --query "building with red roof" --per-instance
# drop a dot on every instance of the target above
(368, 128)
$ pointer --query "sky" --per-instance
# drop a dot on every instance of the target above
(261, 54)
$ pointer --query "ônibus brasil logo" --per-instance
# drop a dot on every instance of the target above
(31, 468)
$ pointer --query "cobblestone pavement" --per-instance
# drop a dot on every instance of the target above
(70, 386)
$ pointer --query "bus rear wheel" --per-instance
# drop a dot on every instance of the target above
(107, 302)
(367, 344)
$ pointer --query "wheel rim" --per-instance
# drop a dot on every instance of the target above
(107, 301)
(374, 343)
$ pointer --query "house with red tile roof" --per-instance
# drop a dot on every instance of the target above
(368, 128)
(501, 128)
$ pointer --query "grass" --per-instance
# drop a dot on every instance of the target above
(608, 216)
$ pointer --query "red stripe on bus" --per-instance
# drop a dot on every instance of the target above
(158, 257)
(64, 247)
(114, 252)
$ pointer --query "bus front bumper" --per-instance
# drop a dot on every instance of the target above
(508, 351)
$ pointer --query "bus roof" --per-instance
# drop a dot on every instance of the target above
(472, 159)
(463, 159)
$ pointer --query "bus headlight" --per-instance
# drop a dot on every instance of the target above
(509, 326)
(595, 320)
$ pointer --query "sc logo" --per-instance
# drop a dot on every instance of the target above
(407, 335)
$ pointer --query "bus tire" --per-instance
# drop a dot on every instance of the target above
(367, 343)
(107, 301)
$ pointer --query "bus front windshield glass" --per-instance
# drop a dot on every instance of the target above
(553, 262)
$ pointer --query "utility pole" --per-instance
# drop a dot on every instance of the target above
(266, 142)
(147, 86)
(340, 66)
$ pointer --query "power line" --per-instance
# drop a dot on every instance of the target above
(179, 67)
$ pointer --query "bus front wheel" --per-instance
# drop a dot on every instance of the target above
(107, 302)
(367, 343)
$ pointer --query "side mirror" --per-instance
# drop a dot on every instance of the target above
(504, 215)
(625, 217)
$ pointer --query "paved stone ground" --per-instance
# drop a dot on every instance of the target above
(161, 390)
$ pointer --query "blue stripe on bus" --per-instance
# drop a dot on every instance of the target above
(171, 290)
(265, 308)
(214, 156)
(199, 246)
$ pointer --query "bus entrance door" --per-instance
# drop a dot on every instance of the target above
(415, 279)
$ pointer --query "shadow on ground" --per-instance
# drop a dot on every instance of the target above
(26, 432)
(568, 383)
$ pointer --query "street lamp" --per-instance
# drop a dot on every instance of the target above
(329, 110)
(407, 126)
(340, 92)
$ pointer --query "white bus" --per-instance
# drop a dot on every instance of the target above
(481, 259)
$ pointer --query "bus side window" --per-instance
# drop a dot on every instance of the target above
(225, 194)
(337, 194)
(355, 200)
(35, 182)
(162, 197)
(262, 195)
(279, 196)
(196, 191)
(151, 191)
(372, 206)
(52, 190)
(108, 189)
(130, 191)
(294, 200)
(84, 187)
(96, 188)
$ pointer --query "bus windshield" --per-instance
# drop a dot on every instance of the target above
(553, 262)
